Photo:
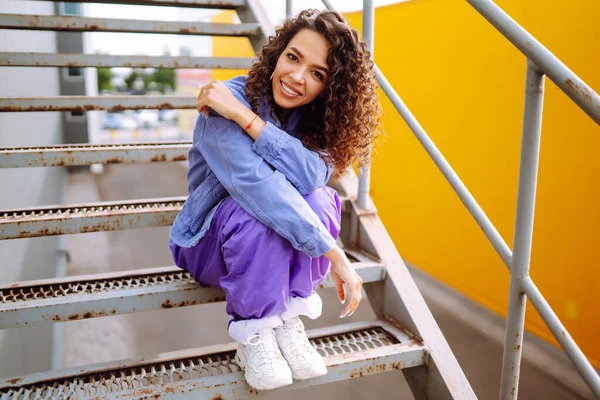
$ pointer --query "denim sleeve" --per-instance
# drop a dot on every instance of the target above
(263, 192)
(304, 168)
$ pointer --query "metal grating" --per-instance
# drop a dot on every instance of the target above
(108, 216)
(142, 376)
(84, 24)
(210, 4)
(94, 103)
(86, 154)
(21, 294)
(13, 59)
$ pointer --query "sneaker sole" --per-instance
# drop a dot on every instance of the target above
(311, 373)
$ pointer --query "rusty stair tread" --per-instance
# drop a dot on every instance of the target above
(92, 296)
(351, 351)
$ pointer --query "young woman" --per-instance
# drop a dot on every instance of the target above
(260, 222)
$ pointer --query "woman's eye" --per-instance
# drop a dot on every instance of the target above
(318, 75)
(292, 57)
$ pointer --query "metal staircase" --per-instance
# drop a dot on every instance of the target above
(404, 337)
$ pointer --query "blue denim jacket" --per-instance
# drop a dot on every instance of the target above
(267, 178)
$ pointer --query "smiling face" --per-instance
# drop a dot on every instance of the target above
(301, 71)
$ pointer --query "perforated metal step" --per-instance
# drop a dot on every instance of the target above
(87, 154)
(212, 4)
(96, 60)
(83, 24)
(93, 217)
(91, 296)
(351, 351)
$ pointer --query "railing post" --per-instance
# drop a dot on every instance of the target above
(530, 149)
(368, 24)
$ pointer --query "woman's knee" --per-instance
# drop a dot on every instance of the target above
(326, 204)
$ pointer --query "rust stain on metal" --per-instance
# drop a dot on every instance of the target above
(218, 397)
(188, 30)
(115, 160)
(73, 316)
(572, 85)
(518, 347)
(15, 381)
(167, 304)
(56, 318)
(87, 315)
(356, 373)
(180, 158)
(157, 158)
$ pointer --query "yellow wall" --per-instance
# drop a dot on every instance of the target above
(465, 83)
(230, 47)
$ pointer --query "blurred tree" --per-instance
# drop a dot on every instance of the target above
(131, 78)
(105, 76)
(164, 77)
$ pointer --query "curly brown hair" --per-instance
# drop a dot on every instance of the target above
(342, 122)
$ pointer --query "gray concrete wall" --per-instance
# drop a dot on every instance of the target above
(28, 350)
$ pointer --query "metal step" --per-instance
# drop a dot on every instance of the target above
(350, 351)
(210, 4)
(91, 217)
(93, 103)
(94, 217)
(13, 59)
(85, 24)
(87, 154)
(81, 297)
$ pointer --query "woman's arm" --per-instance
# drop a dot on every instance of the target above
(263, 192)
(305, 169)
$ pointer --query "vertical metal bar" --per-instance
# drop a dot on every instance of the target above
(368, 24)
(585, 369)
(288, 8)
(530, 150)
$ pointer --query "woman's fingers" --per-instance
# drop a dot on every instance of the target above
(202, 105)
(339, 286)
(355, 298)
(355, 288)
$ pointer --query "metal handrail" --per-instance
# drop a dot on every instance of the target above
(540, 62)
(573, 86)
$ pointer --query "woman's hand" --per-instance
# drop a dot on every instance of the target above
(218, 97)
(342, 272)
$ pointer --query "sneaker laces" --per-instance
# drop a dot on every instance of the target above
(295, 334)
(265, 348)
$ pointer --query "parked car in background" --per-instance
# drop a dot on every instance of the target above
(169, 116)
(146, 118)
(118, 121)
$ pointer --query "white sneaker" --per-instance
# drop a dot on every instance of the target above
(303, 359)
(265, 368)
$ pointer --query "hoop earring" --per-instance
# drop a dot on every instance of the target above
(271, 78)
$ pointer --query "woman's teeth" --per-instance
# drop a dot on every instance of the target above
(287, 90)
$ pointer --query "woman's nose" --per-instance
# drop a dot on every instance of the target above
(297, 75)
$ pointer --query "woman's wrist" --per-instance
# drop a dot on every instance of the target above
(336, 254)
(243, 116)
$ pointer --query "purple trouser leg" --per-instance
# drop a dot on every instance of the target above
(258, 269)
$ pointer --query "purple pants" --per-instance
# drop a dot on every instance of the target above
(258, 269)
